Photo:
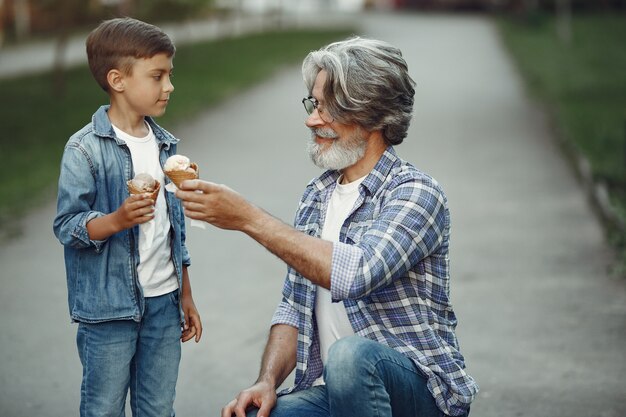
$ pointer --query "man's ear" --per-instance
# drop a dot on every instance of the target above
(116, 80)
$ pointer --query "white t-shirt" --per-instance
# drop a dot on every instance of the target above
(332, 319)
(156, 269)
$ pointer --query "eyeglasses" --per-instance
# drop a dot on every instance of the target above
(311, 104)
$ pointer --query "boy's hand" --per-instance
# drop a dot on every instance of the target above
(193, 324)
(136, 209)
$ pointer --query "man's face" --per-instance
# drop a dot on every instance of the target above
(148, 87)
(333, 145)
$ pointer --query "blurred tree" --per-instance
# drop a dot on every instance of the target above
(1, 23)
(66, 14)
(21, 10)
(168, 10)
(529, 10)
(564, 20)
(531, 5)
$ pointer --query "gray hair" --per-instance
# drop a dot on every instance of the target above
(367, 84)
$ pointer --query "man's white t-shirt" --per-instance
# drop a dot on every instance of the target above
(156, 269)
(332, 319)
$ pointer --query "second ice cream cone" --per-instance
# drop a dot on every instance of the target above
(178, 177)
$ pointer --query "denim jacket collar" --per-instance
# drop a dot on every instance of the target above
(103, 128)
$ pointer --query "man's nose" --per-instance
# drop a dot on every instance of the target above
(314, 119)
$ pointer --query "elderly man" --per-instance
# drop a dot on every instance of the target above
(365, 316)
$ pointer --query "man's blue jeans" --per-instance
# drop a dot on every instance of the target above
(363, 379)
(122, 355)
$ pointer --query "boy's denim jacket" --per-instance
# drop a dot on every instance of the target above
(102, 279)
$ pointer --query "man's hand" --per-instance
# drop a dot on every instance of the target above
(227, 209)
(215, 204)
(261, 395)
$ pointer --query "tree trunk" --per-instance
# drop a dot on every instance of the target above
(21, 10)
(530, 9)
(1, 23)
(564, 20)
(58, 82)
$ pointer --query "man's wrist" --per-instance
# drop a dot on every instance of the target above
(267, 380)
(255, 222)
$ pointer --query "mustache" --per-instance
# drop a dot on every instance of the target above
(324, 133)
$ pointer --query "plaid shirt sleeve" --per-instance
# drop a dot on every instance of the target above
(285, 312)
(409, 227)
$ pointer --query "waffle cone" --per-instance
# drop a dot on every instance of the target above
(153, 195)
(178, 177)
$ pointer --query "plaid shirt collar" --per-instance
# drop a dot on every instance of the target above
(371, 183)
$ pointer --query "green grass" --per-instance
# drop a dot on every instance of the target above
(583, 83)
(36, 122)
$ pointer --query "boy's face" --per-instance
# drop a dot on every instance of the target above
(148, 87)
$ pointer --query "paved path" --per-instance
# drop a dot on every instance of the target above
(542, 325)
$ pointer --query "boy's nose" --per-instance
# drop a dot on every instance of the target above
(169, 87)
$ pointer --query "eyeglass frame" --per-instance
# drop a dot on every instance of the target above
(315, 103)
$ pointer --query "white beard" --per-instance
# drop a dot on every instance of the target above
(340, 154)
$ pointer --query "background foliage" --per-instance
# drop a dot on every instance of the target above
(583, 84)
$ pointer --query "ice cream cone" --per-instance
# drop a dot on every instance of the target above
(153, 195)
(178, 177)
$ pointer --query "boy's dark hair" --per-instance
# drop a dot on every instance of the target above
(116, 43)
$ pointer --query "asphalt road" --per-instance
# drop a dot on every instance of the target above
(542, 324)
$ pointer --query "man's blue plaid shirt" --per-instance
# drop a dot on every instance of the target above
(391, 270)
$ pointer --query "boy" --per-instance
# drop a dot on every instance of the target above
(125, 256)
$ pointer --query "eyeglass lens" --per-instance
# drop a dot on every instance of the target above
(310, 104)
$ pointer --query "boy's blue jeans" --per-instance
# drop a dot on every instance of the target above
(363, 379)
(122, 355)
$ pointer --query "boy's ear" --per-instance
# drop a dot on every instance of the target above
(116, 80)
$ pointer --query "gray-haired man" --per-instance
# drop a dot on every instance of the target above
(365, 317)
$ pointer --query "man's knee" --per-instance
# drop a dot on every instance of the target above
(351, 348)
(347, 359)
